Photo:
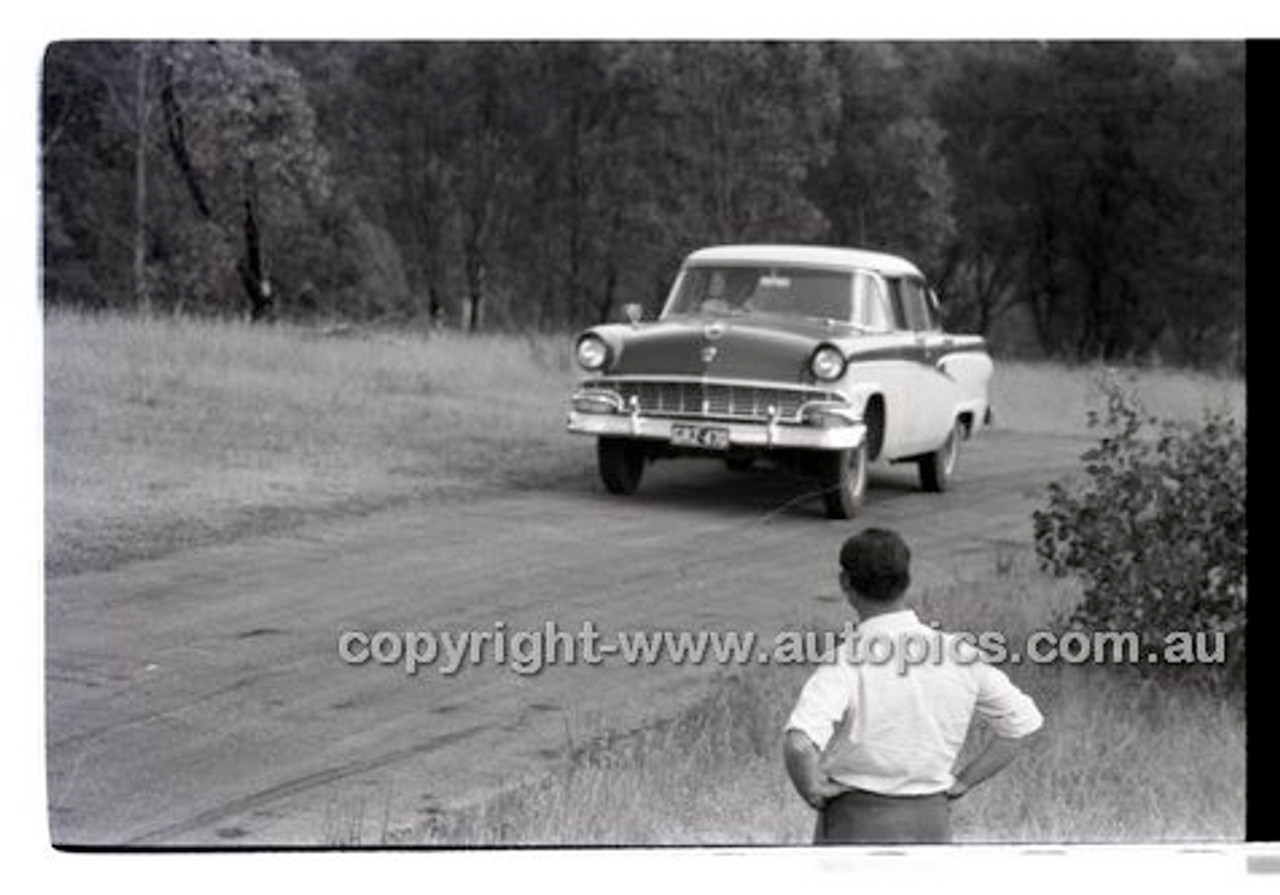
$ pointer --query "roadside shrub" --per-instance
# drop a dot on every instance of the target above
(1155, 528)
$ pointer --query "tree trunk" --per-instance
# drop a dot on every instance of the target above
(252, 266)
(435, 308)
(577, 205)
(141, 294)
(175, 126)
(475, 287)
(991, 288)
(1044, 292)
(607, 296)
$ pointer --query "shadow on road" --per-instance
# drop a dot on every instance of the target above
(706, 486)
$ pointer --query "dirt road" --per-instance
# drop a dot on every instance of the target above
(200, 698)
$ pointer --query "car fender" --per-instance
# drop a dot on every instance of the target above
(859, 395)
(971, 373)
(612, 334)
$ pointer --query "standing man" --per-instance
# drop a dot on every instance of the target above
(873, 739)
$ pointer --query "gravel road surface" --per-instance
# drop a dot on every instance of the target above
(199, 699)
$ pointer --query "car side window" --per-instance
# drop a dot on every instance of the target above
(897, 312)
(915, 305)
(870, 304)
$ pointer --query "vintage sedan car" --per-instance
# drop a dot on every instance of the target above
(820, 359)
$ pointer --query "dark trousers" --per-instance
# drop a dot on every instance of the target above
(861, 817)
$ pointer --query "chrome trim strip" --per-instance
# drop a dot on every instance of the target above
(715, 401)
(634, 404)
(742, 434)
(603, 382)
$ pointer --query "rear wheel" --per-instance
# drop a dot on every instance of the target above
(938, 468)
(845, 482)
(621, 462)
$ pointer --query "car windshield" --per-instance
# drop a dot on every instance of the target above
(743, 290)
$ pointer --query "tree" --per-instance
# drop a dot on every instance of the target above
(97, 137)
(242, 136)
(1088, 185)
(739, 139)
(886, 184)
(178, 175)
(1100, 187)
(385, 111)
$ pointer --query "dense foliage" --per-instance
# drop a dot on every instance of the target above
(1157, 528)
(1094, 190)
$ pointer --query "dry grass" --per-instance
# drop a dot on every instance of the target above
(167, 432)
(1055, 399)
(1124, 758)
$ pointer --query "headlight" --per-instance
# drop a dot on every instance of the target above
(827, 363)
(592, 352)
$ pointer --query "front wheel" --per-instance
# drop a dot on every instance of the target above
(845, 482)
(621, 463)
(938, 468)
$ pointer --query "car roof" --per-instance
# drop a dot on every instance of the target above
(808, 255)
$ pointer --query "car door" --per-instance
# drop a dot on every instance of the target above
(888, 357)
(935, 394)
(964, 361)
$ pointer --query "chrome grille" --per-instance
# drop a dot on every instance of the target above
(710, 399)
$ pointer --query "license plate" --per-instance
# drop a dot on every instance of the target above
(711, 438)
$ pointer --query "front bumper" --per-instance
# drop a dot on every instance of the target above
(766, 436)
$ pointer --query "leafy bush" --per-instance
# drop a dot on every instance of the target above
(1156, 528)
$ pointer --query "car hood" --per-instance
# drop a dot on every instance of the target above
(776, 350)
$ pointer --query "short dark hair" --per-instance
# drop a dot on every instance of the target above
(878, 564)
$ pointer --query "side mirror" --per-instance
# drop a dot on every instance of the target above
(634, 311)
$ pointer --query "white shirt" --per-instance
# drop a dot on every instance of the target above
(896, 727)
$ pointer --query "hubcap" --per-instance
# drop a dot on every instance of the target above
(953, 451)
(858, 466)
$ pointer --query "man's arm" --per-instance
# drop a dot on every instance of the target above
(994, 757)
(1013, 718)
(802, 758)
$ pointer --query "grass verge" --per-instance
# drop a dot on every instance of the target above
(1125, 757)
(161, 433)
(1055, 399)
